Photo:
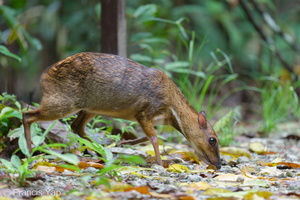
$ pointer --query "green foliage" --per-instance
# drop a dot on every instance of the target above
(200, 83)
(7, 114)
(6, 52)
(15, 166)
(225, 126)
(280, 102)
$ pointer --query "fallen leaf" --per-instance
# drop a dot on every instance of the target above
(178, 168)
(257, 147)
(52, 197)
(127, 151)
(255, 182)
(268, 153)
(216, 191)
(84, 165)
(185, 197)
(57, 167)
(201, 185)
(249, 171)
(141, 175)
(117, 187)
(258, 195)
(187, 156)
(161, 196)
(140, 189)
(287, 164)
(228, 180)
(46, 169)
(234, 152)
(227, 177)
(270, 170)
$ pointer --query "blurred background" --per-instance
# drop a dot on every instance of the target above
(224, 55)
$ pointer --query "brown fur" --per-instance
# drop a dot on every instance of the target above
(105, 84)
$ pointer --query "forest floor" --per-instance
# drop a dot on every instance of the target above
(252, 168)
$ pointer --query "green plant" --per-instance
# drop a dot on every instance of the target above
(111, 163)
(22, 168)
(15, 166)
(8, 113)
(279, 102)
(225, 126)
(181, 60)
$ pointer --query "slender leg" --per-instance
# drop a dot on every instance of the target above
(79, 123)
(42, 113)
(150, 131)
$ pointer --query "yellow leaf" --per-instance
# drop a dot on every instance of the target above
(117, 187)
(54, 197)
(129, 169)
(216, 191)
(178, 168)
(150, 152)
(234, 152)
(199, 186)
(187, 156)
(258, 195)
(257, 147)
(141, 175)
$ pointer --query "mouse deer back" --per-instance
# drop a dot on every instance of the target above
(93, 84)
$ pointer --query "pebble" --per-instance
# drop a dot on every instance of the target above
(164, 173)
(169, 181)
(182, 176)
(193, 178)
(290, 174)
(243, 159)
(240, 179)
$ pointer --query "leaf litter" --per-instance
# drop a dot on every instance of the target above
(253, 168)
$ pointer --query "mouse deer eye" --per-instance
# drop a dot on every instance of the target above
(212, 141)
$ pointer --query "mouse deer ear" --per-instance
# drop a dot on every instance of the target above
(202, 119)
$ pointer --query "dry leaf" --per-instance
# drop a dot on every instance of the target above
(187, 156)
(84, 165)
(287, 164)
(140, 189)
(117, 187)
(257, 147)
(50, 197)
(258, 195)
(161, 196)
(216, 191)
(255, 182)
(141, 175)
(185, 197)
(46, 169)
(249, 171)
(201, 185)
(227, 177)
(234, 152)
(178, 168)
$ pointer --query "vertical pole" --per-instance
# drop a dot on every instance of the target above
(113, 27)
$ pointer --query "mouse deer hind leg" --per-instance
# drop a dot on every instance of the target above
(80, 122)
(46, 112)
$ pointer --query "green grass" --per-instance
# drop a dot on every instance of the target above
(279, 103)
